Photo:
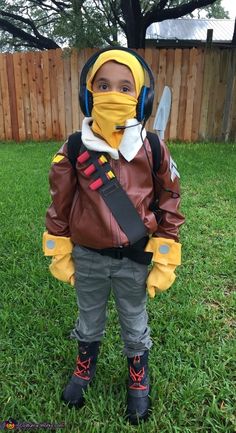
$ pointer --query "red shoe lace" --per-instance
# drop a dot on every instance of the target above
(137, 376)
(82, 368)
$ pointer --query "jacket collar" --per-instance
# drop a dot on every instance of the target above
(129, 146)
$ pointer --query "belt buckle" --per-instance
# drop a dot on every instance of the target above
(119, 253)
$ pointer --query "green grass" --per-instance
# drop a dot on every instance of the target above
(192, 359)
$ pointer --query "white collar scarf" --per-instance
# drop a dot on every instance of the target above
(130, 143)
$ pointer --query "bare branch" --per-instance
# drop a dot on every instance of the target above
(23, 20)
(38, 42)
(157, 15)
(60, 6)
(117, 17)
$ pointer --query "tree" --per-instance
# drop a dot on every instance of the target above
(26, 26)
(49, 24)
(92, 23)
(44, 24)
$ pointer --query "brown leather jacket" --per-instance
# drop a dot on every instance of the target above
(81, 214)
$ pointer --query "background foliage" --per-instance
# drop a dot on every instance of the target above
(43, 24)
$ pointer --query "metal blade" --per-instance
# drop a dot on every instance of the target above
(163, 112)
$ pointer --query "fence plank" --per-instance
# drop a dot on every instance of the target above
(2, 126)
(212, 93)
(155, 65)
(232, 135)
(26, 96)
(176, 85)
(205, 94)
(60, 94)
(67, 83)
(33, 95)
(12, 96)
(47, 103)
(191, 83)
(39, 95)
(19, 96)
(6, 120)
(232, 132)
(53, 93)
(183, 94)
(170, 60)
(197, 97)
(81, 62)
(229, 94)
(161, 74)
(220, 94)
(75, 90)
(148, 56)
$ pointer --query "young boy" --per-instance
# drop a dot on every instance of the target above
(101, 234)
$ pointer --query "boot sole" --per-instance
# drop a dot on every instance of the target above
(71, 404)
(135, 420)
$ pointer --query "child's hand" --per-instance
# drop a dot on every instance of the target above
(166, 257)
(160, 278)
(62, 265)
(62, 268)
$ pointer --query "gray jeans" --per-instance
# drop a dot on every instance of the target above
(95, 276)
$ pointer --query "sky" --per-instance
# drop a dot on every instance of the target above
(230, 6)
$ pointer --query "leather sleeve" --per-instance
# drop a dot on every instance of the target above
(63, 187)
(167, 192)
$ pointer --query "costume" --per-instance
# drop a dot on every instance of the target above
(79, 222)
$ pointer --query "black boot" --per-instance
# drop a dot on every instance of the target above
(73, 394)
(138, 403)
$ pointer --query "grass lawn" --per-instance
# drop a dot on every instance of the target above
(192, 361)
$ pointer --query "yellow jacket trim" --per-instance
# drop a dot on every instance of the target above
(165, 251)
(53, 245)
(58, 158)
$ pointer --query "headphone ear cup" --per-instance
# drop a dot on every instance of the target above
(86, 101)
(148, 103)
(144, 105)
(140, 104)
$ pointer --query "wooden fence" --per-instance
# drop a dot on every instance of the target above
(39, 92)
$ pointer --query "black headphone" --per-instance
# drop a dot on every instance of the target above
(146, 96)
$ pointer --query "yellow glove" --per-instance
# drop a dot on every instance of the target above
(166, 257)
(62, 265)
(62, 268)
(160, 278)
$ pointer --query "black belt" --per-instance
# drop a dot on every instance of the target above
(134, 252)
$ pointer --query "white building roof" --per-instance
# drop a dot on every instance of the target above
(192, 29)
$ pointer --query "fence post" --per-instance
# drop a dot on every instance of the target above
(226, 124)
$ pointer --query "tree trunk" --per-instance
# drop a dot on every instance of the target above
(134, 23)
(234, 35)
(136, 37)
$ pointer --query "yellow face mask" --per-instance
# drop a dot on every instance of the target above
(111, 109)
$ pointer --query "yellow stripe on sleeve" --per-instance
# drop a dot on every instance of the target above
(57, 158)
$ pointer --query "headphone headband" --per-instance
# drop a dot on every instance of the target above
(145, 99)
